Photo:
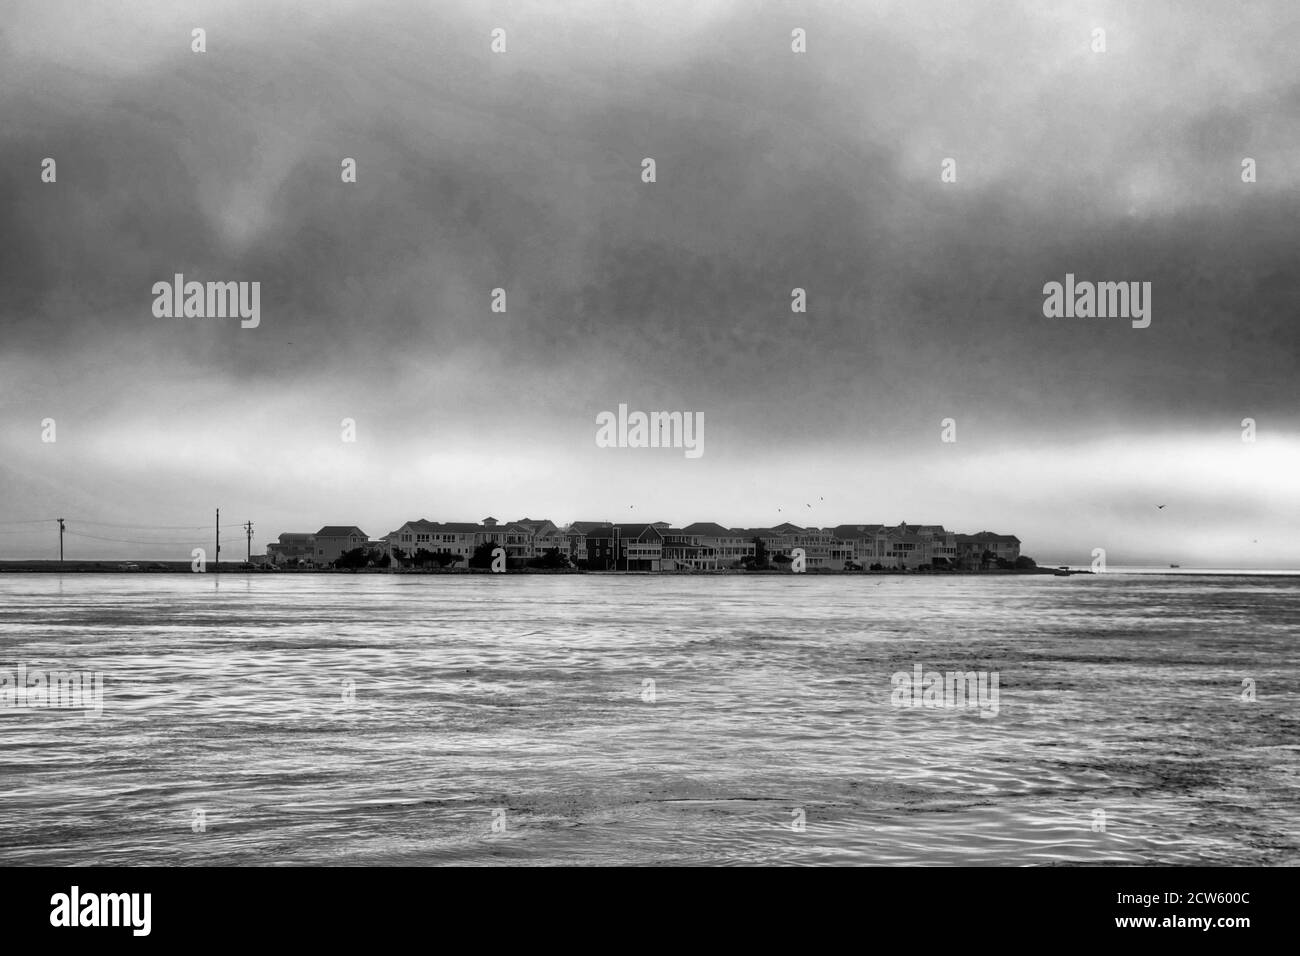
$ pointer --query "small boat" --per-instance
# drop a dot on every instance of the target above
(1062, 572)
(1175, 565)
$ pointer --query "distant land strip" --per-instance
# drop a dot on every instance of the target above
(241, 567)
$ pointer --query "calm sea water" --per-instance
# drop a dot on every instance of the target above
(369, 719)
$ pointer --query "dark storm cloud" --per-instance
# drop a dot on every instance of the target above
(775, 171)
(528, 181)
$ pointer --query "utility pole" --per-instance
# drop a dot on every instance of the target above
(217, 560)
(248, 527)
(60, 521)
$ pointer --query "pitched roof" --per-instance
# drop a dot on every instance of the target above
(533, 524)
(780, 531)
(585, 526)
(626, 531)
(425, 526)
(420, 524)
(339, 531)
(708, 529)
(638, 531)
(856, 530)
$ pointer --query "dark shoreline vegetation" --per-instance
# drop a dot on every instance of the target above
(232, 567)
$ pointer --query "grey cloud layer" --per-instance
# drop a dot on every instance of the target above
(775, 171)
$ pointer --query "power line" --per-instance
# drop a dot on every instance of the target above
(97, 537)
(26, 526)
(110, 524)
(144, 527)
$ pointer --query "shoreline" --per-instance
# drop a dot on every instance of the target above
(53, 566)
(184, 567)
(232, 567)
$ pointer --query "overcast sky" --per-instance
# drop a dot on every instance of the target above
(775, 170)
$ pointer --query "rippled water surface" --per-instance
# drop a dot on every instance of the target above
(393, 719)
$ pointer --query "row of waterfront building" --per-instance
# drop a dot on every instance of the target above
(657, 546)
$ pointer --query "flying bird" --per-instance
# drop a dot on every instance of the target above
(1158, 507)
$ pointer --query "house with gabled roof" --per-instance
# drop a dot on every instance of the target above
(778, 540)
(722, 547)
(822, 549)
(335, 540)
(545, 536)
(293, 547)
(626, 547)
(971, 549)
(940, 544)
(516, 539)
(575, 535)
(904, 550)
(1004, 546)
(683, 552)
(451, 537)
(868, 542)
(462, 538)
(572, 539)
